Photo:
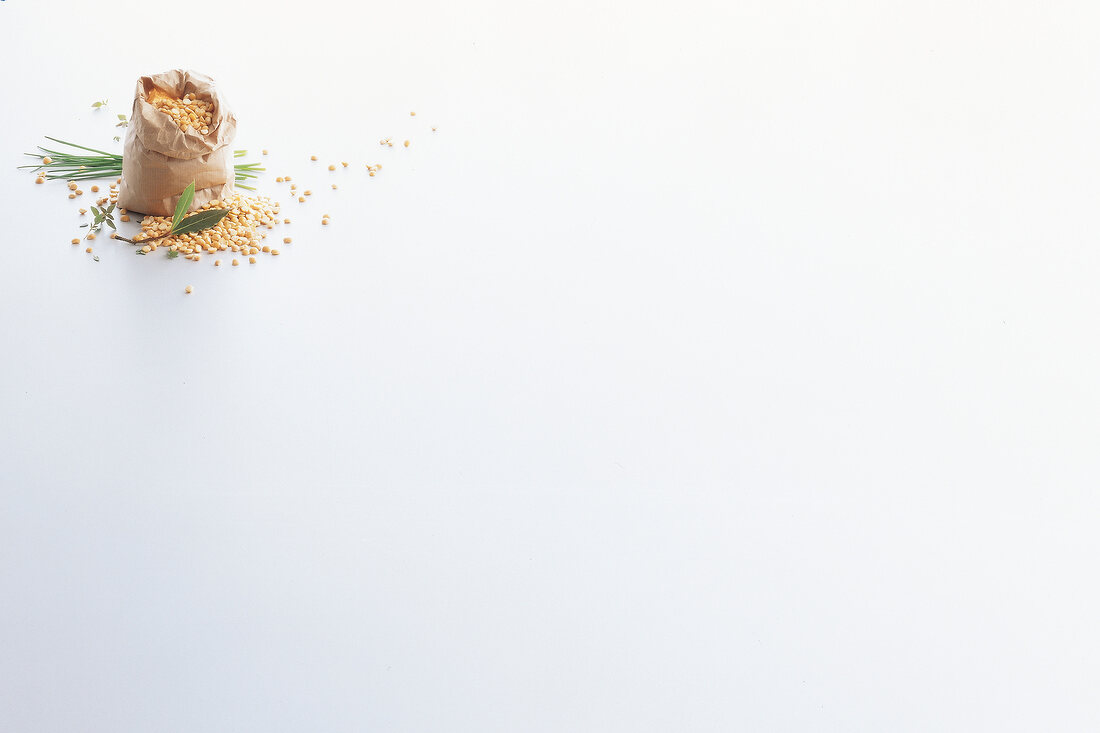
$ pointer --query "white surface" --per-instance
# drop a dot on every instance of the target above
(719, 366)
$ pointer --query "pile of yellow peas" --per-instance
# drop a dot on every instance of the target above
(187, 112)
(239, 231)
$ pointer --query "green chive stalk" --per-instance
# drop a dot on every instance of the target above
(71, 166)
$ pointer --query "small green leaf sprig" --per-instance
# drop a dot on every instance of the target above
(102, 216)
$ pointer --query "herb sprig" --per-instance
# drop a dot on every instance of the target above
(72, 166)
(102, 216)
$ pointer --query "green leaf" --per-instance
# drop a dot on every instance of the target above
(95, 211)
(117, 138)
(74, 145)
(138, 252)
(102, 103)
(173, 254)
(111, 223)
(95, 257)
(199, 221)
(183, 205)
(123, 117)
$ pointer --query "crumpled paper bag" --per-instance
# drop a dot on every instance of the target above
(159, 159)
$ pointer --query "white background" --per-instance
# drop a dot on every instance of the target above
(714, 367)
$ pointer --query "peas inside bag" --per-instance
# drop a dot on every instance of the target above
(181, 130)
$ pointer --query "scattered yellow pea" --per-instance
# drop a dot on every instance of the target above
(124, 217)
(188, 289)
(286, 221)
(217, 263)
(91, 235)
(313, 157)
(95, 189)
(332, 167)
(40, 179)
(301, 199)
(334, 187)
(286, 240)
(76, 241)
(279, 179)
(47, 160)
(72, 185)
(274, 251)
(72, 195)
(264, 152)
(251, 260)
(412, 114)
(406, 143)
(235, 263)
(88, 250)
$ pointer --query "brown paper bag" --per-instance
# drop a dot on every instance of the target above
(159, 159)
